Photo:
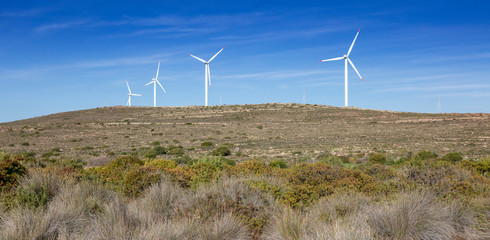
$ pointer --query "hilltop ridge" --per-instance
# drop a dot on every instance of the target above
(265, 130)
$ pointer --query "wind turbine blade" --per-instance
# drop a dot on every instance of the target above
(332, 59)
(138, 95)
(162, 87)
(149, 83)
(352, 64)
(216, 55)
(352, 45)
(158, 69)
(129, 89)
(209, 75)
(197, 58)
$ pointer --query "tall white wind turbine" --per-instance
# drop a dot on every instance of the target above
(155, 81)
(130, 94)
(207, 74)
(346, 58)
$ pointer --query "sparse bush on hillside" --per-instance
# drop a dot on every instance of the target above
(424, 155)
(278, 163)
(125, 162)
(330, 159)
(175, 150)
(206, 144)
(222, 150)
(452, 157)
(378, 158)
(155, 151)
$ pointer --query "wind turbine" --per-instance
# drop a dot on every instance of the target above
(130, 95)
(346, 57)
(207, 74)
(155, 81)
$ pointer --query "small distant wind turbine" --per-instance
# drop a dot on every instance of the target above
(155, 81)
(207, 74)
(130, 95)
(346, 57)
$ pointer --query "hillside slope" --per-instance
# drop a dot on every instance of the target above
(265, 130)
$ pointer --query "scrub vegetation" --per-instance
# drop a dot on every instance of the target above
(246, 182)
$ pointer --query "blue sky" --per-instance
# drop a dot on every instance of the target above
(60, 56)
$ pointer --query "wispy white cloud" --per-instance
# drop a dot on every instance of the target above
(61, 25)
(24, 12)
(33, 73)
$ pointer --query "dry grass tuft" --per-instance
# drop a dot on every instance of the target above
(415, 215)
(289, 224)
(159, 202)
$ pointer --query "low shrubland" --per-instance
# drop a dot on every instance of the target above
(423, 196)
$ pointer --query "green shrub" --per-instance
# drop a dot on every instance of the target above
(159, 150)
(175, 150)
(206, 144)
(424, 155)
(278, 163)
(482, 166)
(36, 190)
(125, 162)
(452, 157)
(155, 151)
(222, 150)
(10, 172)
(330, 159)
(378, 158)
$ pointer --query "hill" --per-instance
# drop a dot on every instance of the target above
(292, 131)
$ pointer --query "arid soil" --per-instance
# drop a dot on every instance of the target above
(263, 131)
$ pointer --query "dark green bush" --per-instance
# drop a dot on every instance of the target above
(452, 157)
(159, 150)
(377, 158)
(10, 172)
(175, 150)
(222, 150)
(278, 163)
(424, 155)
(125, 162)
(206, 144)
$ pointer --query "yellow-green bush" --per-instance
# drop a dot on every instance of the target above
(482, 167)
(138, 179)
(254, 167)
(161, 164)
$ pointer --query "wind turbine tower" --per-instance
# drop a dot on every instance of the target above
(130, 94)
(304, 96)
(347, 59)
(207, 74)
(155, 81)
